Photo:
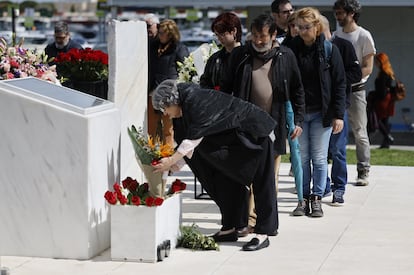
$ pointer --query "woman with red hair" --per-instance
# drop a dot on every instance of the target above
(381, 98)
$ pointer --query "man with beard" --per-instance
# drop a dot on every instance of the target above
(63, 43)
(266, 74)
(347, 13)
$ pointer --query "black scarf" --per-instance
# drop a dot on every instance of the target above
(266, 56)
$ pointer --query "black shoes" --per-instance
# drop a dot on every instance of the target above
(229, 237)
(242, 232)
(302, 209)
(255, 244)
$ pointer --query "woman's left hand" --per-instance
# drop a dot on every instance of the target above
(337, 126)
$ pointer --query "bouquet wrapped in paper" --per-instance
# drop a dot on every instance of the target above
(149, 151)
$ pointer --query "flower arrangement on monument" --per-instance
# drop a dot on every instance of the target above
(18, 62)
(131, 192)
(82, 65)
(148, 151)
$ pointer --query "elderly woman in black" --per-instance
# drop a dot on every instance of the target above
(225, 141)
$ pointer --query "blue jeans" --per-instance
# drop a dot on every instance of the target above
(314, 143)
(337, 151)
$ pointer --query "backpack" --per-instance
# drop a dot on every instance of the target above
(328, 50)
(398, 90)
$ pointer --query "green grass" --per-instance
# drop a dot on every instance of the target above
(387, 157)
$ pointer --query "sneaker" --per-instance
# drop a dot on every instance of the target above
(316, 207)
(302, 209)
(338, 199)
(362, 179)
(327, 191)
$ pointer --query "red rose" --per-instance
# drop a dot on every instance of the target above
(183, 186)
(136, 200)
(149, 201)
(158, 201)
(130, 184)
(110, 197)
(14, 64)
(155, 162)
(175, 188)
(146, 186)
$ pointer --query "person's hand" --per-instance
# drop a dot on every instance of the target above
(296, 132)
(164, 164)
(337, 126)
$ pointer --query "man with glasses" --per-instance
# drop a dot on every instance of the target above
(281, 10)
(347, 13)
(152, 25)
(63, 43)
(266, 74)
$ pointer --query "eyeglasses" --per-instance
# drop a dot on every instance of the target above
(304, 28)
(286, 12)
(223, 34)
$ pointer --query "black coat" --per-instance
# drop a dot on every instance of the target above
(234, 131)
(164, 66)
(207, 112)
(332, 79)
(285, 75)
(215, 70)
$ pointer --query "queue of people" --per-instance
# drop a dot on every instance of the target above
(231, 129)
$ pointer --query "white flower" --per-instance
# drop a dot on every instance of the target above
(193, 66)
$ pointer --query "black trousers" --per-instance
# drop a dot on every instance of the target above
(226, 164)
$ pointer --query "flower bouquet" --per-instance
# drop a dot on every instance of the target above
(130, 192)
(148, 152)
(83, 65)
(85, 70)
(17, 62)
(192, 67)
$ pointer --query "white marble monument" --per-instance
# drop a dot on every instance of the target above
(59, 154)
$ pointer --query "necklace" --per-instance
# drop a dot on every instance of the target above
(161, 50)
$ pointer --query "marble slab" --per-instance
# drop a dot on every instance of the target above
(56, 165)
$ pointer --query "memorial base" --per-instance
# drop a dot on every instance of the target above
(137, 231)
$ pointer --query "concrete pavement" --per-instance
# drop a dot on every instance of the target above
(373, 233)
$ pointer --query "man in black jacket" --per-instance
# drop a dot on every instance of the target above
(266, 74)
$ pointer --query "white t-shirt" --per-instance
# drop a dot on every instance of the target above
(362, 41)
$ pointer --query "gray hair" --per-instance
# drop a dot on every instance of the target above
(151, 18)
(61, 27)
(165, 95)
